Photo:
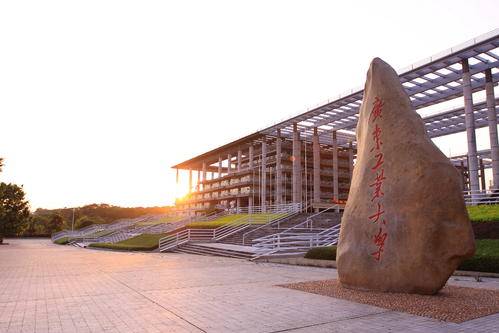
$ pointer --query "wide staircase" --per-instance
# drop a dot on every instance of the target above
(242, 221)
(215, 249)
(321, 223)
(317, 230)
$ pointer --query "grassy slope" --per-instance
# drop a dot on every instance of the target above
(167, 219)
(144, 242)
(259, 219)
(483, 213)
(62, 241)
(486, 257)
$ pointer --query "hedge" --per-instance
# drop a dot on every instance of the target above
(322, 253)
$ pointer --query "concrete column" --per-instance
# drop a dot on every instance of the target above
(219, 166)
(350, 160)
(263, 197)
(212, 175)
(250, 157)
(463, 177)
(335, 167)
(198, 184)
(250, 166)
(470, 127)
(492, 118)
(177, 178)
(204, 172)
(297, 183)
(278, 171)
(482, 175)
(316, 149)
(239, 159)
(190, 180)
(229, 164)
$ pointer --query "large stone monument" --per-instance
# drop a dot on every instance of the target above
(405, 227)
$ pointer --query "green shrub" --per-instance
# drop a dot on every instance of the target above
(144, 242)
(486, 258)
(322, 253)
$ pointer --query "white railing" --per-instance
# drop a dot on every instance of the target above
(485, 197)
(77, 233)
(296, 243)
(273, 212)
(272, 223)
(308, 223)
(170, 242)
(268, 208)
(262, 215)
(296, 238)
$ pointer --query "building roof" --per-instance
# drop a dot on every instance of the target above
(428, 82)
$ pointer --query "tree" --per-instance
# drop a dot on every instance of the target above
(38, 226)
(55, 223)
(14, 210)
(86, 221)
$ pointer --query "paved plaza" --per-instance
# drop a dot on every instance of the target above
(52, 288)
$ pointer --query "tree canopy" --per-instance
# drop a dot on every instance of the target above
(14, 210)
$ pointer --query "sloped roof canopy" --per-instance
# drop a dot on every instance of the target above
(431, 81)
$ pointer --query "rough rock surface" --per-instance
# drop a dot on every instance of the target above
(405, 227)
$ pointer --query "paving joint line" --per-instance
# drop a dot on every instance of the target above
(154, 302)
(330, 322)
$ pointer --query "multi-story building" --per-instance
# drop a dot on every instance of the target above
(309, 158)
(262, 170)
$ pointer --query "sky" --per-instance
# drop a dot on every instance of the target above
(98, 99)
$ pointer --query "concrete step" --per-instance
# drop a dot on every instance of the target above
(206, 250)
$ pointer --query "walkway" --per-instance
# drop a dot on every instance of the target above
(52, 288)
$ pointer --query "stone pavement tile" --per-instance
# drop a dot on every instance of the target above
(257, 309)
(51, 288)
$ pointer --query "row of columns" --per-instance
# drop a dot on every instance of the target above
(473, 164)
(297, 187)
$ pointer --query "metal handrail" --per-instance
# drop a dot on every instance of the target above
(182, 237)
(308, 222)
(246, 220)
(296, 243)
(276, 221)
(478, 197)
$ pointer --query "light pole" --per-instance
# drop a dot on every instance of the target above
(73, 221)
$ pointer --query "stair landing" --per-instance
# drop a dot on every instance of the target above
(231, 247)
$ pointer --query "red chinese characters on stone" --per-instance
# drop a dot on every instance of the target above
(379, 161)
(378, 215)
(379, 241)
(377, 108)
(377, 184)
(377, 138)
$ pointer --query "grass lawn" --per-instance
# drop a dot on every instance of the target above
(100, 233)
(144, 242)
(484, 213)
(486, 258)
(257, 219)
(165, 219)
(63, 240)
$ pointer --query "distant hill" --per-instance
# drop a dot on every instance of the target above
(103, 213)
